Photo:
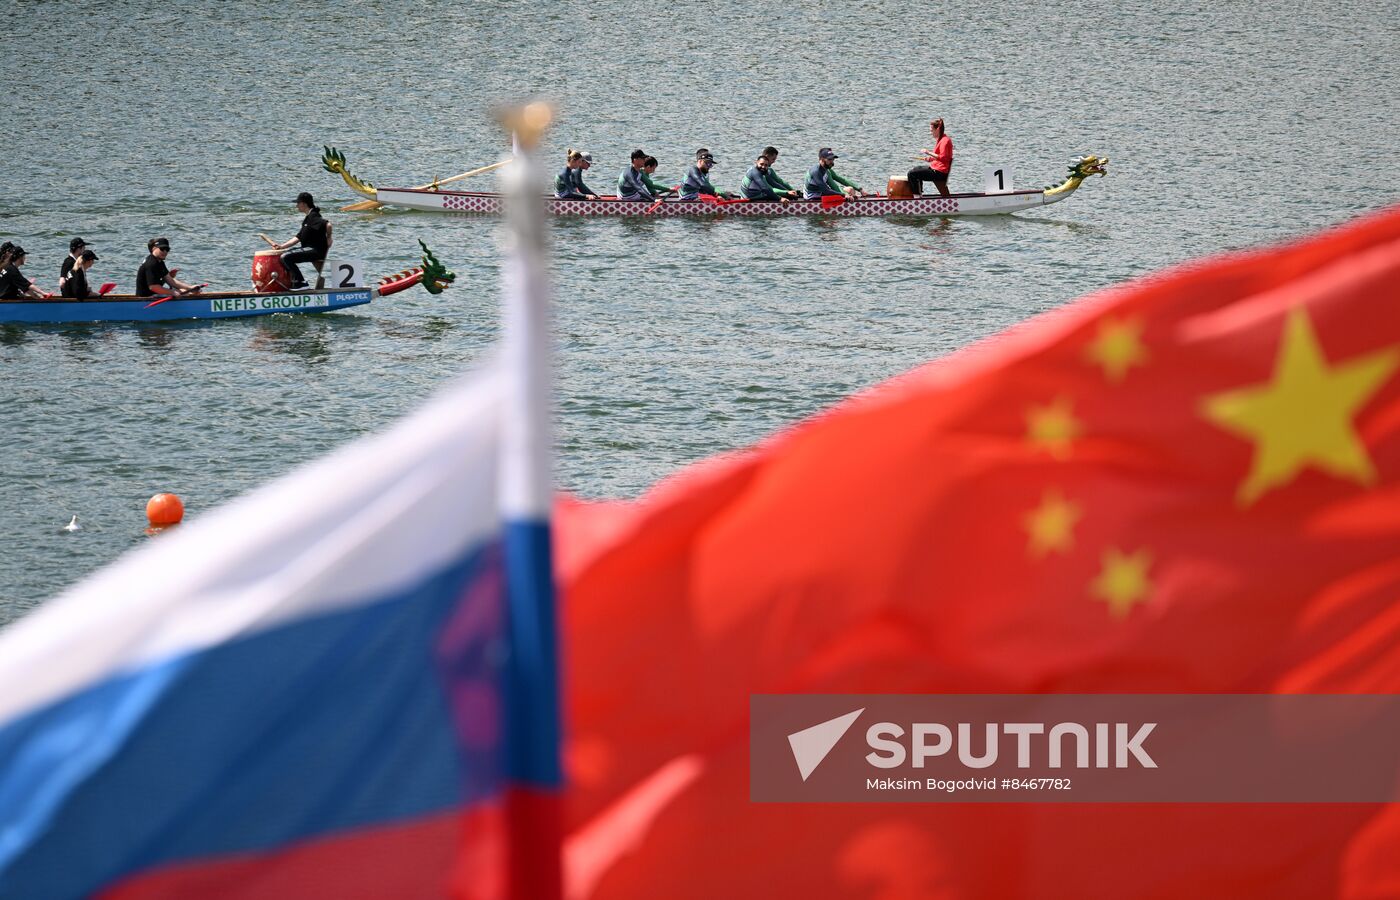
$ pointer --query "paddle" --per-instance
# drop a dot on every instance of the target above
(375, 204)
(174, 296)
(106, 288)
(831, 201)
(718, 201)
(651, 209)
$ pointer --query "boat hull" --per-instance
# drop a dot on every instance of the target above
(480, 203)
(203, 306)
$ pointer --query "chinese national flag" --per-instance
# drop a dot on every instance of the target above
(1190, 483)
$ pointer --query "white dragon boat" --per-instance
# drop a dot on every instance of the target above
(435, 199)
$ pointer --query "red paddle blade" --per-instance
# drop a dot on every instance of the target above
(106, 288)
(711, 199)
(831, 201)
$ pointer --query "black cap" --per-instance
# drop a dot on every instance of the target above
(162, 243)
(826, 153)
(305, 197)
(76, 244)
(16, 251)
(704, 153)
(89, 256)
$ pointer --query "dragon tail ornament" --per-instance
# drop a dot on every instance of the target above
(333, 161)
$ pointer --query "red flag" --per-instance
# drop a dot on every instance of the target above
(1190, 483)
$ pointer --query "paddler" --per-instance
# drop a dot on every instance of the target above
(779, 185)
(631, 185)
(822, 180)
(75, 253)
(648, 170)
(75, 284)
(938, 162)
(13, 284)
(153, 279)
(756, 185)
(568, 184)
(697, 180)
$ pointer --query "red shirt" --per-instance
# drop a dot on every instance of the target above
(942, 159)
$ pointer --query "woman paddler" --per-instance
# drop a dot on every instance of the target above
(568, 184)
(13, 284)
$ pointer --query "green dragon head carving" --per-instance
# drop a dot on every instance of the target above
(333, 161)
(1080, 168)
(436, 278)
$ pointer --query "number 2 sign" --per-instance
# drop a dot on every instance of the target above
(343, 273)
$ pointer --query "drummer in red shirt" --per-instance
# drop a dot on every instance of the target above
(939, 162)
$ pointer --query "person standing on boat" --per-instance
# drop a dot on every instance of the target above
(13, 284)
(314, 237)
(75, 253)
(756, 185)
(649, 169)
(697, 180)
(822, 180)
(630, 184)
(779, 185)
(75, 284)
(568, 184)
(153, 279)
(938, 162)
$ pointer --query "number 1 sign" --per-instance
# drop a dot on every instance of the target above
(998, 181)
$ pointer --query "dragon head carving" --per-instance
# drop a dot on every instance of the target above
(333, 161)
(436, 278)
(1080, 168)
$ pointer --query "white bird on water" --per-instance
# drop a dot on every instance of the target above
(73, 525)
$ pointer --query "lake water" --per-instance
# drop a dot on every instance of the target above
(1229, 125)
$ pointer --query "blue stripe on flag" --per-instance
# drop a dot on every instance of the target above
(533, 715)
(367, 715)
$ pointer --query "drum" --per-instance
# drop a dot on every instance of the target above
(899, 188)
(269, 275)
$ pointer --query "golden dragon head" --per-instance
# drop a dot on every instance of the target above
(1080, 168)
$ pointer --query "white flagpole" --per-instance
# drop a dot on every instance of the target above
(527, 493)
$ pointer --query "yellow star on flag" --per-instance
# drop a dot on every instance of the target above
(1122, 581)
(1053, 427)
(1305, 415)
(1051, 524)
(1117, 347)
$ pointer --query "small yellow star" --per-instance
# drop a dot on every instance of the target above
(1053, 426)
(1118, 347)
(1122, 581)
(1304, 415)
(1051, 525)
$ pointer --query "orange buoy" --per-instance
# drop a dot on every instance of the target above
(164, 509)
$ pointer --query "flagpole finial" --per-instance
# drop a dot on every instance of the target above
(528, 122)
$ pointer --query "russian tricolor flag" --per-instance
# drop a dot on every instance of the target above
(342, 685)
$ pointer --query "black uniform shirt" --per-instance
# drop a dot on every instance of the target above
(152, 272)
(75, 285)
(12, 283)
(313, 232)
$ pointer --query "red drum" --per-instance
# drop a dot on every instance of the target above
(269, 275)
(899, 188)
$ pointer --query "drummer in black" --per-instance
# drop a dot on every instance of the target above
(153, 279)
(314, 237)
(75, 282)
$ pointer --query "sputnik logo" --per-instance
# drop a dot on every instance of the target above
(811, 745)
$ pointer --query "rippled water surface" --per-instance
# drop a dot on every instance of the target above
(1229, 125)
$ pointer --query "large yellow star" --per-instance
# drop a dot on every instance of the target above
(1053, 427)
(1051, 524)
(1117, 347)
(1304, 415)
(1122, 581)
